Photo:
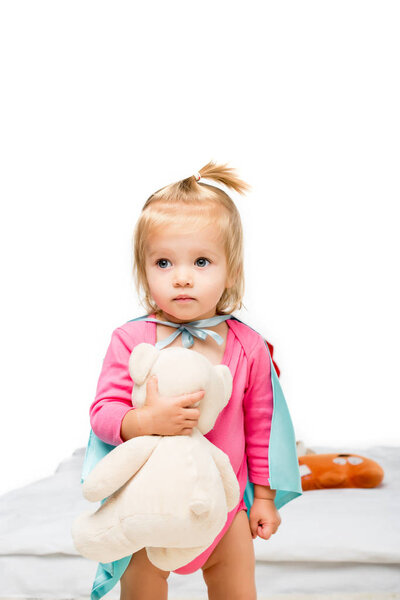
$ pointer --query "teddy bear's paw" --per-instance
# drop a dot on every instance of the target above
(90, 543)
(97, 540)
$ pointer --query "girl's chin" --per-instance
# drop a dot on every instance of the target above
(181, 311)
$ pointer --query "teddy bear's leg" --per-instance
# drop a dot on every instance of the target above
(99, 536)
(170, 559)
(229, 479)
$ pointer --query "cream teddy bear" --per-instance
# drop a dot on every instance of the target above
(169, 494)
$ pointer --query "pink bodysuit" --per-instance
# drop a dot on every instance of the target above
(242, 428)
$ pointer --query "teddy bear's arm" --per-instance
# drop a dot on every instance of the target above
(118, 466)
(229, 479)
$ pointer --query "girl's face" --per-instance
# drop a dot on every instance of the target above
(193, 264)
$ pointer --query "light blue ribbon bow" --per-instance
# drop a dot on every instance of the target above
(190, 329)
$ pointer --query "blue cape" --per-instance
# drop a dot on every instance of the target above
(284, 473)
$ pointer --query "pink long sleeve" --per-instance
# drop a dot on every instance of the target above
(114, 390)
(242, 429)
(258, 408)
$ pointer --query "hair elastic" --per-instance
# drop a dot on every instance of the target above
(197, 176)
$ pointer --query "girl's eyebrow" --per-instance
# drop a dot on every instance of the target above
(199, 252)
(160, 251)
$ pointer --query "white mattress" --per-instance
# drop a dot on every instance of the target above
(329, 540)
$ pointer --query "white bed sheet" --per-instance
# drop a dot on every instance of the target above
(61, 577)
(329, 540)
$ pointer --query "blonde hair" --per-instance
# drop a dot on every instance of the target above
(194, 204)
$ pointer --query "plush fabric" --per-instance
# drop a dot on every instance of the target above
(169, 494)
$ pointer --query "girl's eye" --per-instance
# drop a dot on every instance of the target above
(162, 260)
(202, 258)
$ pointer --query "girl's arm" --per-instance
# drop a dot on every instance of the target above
(136, 422)
(112, 416)
(258, 409)
(112, 413)
(264, 492)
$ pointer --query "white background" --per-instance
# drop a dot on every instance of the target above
(103, 103)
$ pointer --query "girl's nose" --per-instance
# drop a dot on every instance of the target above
(183, 278)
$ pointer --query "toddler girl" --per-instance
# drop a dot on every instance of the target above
(188, 259)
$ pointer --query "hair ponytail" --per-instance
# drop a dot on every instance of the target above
(223, 174)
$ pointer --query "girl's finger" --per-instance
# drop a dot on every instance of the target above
(188, 399)
(265, 531)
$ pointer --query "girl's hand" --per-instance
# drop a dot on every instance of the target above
(264, 518)
(171, 415)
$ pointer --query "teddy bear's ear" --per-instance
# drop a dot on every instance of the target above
(141, 360)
